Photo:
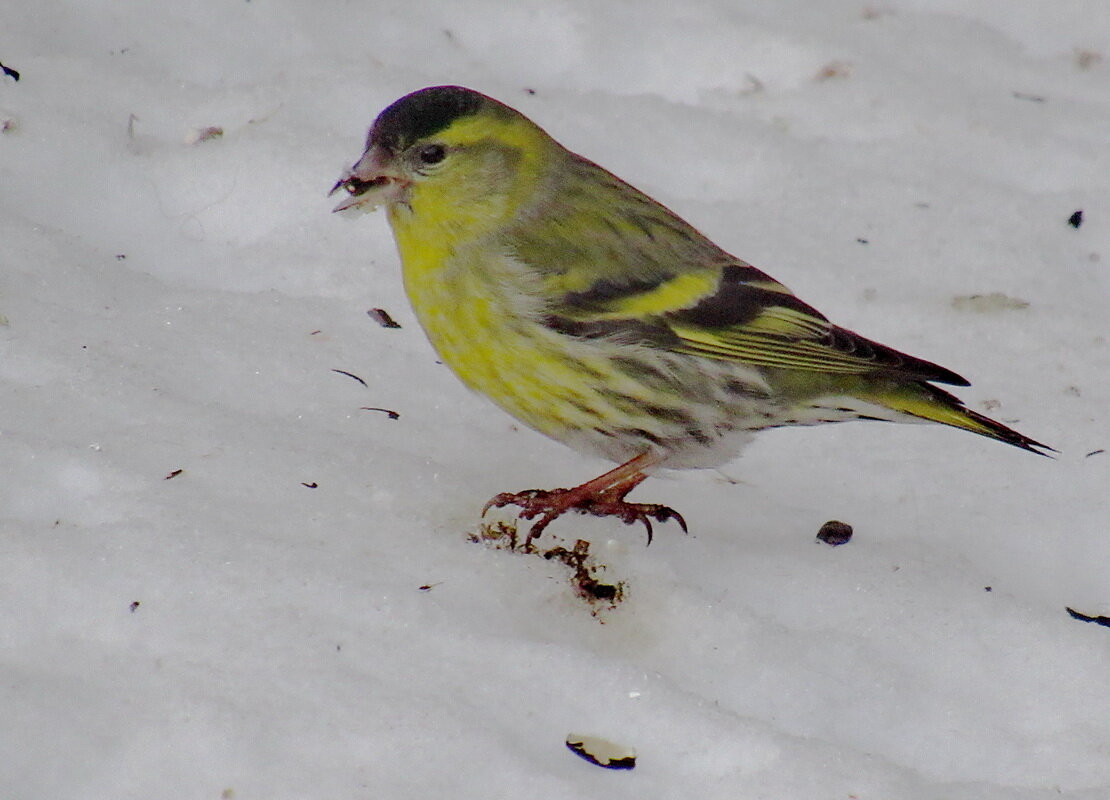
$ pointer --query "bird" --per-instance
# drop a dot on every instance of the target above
(597, 316)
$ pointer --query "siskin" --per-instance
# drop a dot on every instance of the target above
(595, 315)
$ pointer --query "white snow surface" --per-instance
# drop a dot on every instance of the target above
(230, 632)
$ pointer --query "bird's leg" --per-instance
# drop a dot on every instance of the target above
(603, 497)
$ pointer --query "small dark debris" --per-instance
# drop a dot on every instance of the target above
(601, 591)
(1086, 618)
(1036, 98)
(835, 533)
(1076, 219)
(10, 72)
(496, 535)
(585, 584)
(134, 606)
(530, 91)
(312, 485)
(381, 316)
(834, 69)
(1094, 453)
(121, 256)
(863, 241)
(173, 474)
(585, 580)
(1085, 59)
(754, 84)
(988, 303)
(988, 588)
(351, 375)
(601, 752)
(204, 134)
(391, 414)
(427, 587)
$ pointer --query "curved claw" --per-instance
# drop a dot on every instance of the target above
(511, 498)
(630, 513)
(666, 513)
(549, 505)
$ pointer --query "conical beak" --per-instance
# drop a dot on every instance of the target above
(371, 182)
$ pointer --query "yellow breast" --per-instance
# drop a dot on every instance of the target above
(482, 321)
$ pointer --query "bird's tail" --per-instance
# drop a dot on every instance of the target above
(927, 402)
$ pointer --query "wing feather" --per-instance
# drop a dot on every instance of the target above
(738, 321)
(647, 276)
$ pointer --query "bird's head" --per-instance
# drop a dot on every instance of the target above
(449, 156)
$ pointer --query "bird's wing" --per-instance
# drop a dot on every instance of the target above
(732, 312)
(613, 262)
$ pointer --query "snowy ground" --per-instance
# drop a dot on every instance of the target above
(233, 632)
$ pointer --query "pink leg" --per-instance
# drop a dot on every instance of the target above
(602, 497)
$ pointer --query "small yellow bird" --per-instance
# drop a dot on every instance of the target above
(595, 315)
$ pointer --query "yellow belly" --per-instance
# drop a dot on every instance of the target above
(480, 322)
(482, 312)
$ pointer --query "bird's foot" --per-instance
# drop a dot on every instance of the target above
(550, 504)
(631, 513)
(547, 504)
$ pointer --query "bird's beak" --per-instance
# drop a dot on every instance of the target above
(372, 181)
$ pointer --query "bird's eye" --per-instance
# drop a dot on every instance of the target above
(432, 154)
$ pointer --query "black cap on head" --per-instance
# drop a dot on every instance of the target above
(423, 113)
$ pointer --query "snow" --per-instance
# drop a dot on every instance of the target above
(256, 625)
